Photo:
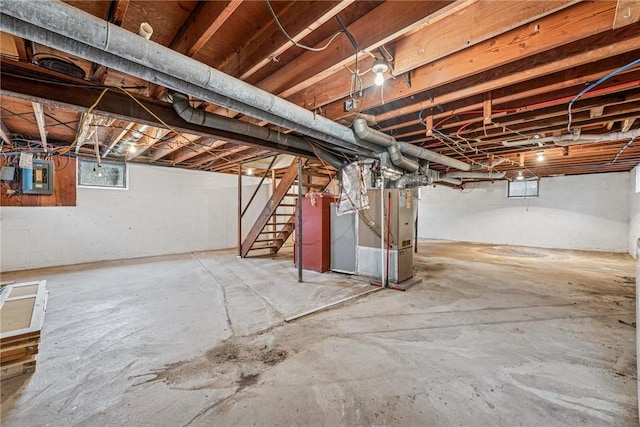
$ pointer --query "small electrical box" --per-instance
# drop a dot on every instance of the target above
(7, 173)
(38, 179)
(351, 104)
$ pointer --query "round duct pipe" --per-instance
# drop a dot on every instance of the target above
(80, 26)
(43, 36)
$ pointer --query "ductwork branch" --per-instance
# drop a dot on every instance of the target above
(410, 181)
(64, 27)
(578, 139)
(475, 175)
(397, 148)
(204, 118)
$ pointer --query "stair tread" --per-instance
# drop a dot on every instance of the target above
(253, 248)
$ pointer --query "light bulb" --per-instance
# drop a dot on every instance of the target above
(132, 148)
(100, 174)
(540, 156)
(379, 67)
(519, 177)
(250, 171)
(379, 79)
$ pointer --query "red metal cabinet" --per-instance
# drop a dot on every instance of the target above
(316, 232)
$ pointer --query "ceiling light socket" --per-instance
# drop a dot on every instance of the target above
(379, 67)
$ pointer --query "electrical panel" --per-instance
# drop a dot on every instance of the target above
(38, 179)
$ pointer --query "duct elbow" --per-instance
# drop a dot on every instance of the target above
(363, 131)
(401, 161)
(182, 108)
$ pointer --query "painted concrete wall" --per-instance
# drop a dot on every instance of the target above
(588, 212)
(634, 210)
(165, 210)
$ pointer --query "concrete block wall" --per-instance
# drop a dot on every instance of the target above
(586, 212)
(164, 211)
(634, 210)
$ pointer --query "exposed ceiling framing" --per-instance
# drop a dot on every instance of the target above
(467, 78)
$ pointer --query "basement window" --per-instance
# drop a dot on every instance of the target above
(105, 175)
(523, 189)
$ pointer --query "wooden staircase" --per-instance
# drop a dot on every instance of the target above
(276, 222)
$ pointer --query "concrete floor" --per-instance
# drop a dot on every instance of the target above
(494, 335)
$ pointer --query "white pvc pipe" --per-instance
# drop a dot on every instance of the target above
(145, 30)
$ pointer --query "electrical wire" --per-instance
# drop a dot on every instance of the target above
(84, 120)
(144, 107)
(615, 159)
(591, 86)
(295, 43)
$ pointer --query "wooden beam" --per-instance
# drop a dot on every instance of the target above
(477, 22)
(17, 81)
(429, 125)
(596, 111)
(459, 31)
(254, 155)
(83, 129)
(626, 125)
(502, 51)
(205, 145)
(209, 160)
(4, 133)
(117, 10)
(201, 25)
(117, 139)
(21, 49)
(627, 12)
(38, 112)
(147, 141)
(171, 145)
(390, 20)
(620, 92)
(270, 43)
(486, 108)
(548, 86)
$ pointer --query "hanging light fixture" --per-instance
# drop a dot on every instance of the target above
(520, 177)
(379, 68)
(540, 155)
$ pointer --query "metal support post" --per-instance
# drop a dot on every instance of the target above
(240, 210)
(299, 227)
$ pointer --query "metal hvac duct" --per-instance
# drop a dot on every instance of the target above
(408, 181)
(362, 129)
(45, 37)
(567, 140)
(188, 113)
(67, 21)
(475, 175)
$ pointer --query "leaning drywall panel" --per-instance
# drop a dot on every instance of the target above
(165, 210)
(587, 212)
